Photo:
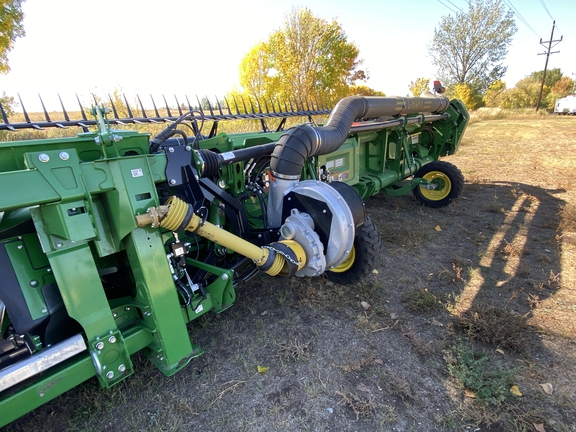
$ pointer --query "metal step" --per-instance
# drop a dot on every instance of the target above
(41, 361)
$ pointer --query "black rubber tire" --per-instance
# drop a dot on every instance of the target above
(368, 248)
(456, 183)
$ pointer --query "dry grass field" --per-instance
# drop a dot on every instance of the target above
(467, 324)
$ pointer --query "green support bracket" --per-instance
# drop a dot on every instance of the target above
(406, 187)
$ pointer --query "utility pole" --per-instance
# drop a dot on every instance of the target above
(547, 53)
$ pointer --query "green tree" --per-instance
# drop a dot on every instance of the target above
(11, 28)
(470, 47)
(419, 86)
(307, 59)
(552, 76)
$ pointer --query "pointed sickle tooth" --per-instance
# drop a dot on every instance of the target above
(128, 107)
(189, 105)
(141, 107)
(82, 112)
(179, 107)
(24, 110)
(219, 106)
(155, 108)
(114, 112)
(167, 107)
(4, 116)
(46, 116)
(200, 106)
(210, 106)
(63, 109)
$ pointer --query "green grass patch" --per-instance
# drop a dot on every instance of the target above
(475, 373)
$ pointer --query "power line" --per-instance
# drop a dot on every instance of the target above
(519, 15)
(443, 4)
(549, 14)
(546, 9)
(455, 6)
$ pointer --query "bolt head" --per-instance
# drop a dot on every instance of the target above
(112, 339)
(172, 182)
(171, 149)
(188, 148)
(224, 276)
(99, 345)
(64, 155)
(121, 368)
(34, 283)
(43, 157)
(110, 375)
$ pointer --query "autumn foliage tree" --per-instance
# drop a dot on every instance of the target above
(525, 92)
(419, 86)
(495, 94)
(308, 59)
(11, 28)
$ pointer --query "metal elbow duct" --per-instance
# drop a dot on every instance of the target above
(304, 141)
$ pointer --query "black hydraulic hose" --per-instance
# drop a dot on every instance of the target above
(213, 161)
(304, 141)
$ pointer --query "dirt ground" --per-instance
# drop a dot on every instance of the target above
(467, 324)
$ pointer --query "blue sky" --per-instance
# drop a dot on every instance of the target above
(194, 48)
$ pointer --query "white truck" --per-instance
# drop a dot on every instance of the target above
(566, 105)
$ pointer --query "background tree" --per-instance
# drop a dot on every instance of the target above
(361, 90)
(307, 59)
(11, 28)
(465, 93)
(495, 94)
(470, 47)
(552, 76)
(256, 74)
(525, 92)
(419, 86)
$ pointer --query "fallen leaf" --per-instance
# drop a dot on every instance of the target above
(393, 316)
(365, 305)
(379, 361)
(470, 394)
(539, 427)
(547, 387)
(515, 390)
(438, 228)
(264, 313)
(436, 323)
(500, 351)
(263, 369)
(374, 271)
